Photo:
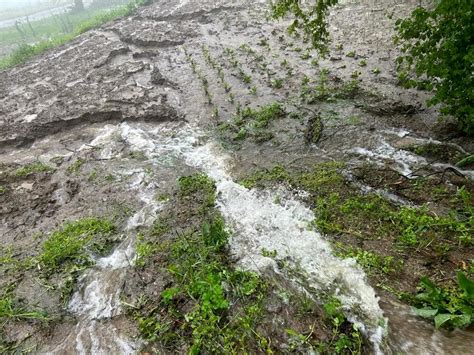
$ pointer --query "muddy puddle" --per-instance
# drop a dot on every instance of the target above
(105, 126)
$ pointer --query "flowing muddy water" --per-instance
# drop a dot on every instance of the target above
(137, 69)
(257, 222)
(98, 296)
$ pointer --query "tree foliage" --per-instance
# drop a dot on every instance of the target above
(312, 19)
(438, 54)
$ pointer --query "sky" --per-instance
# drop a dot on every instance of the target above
(16, 3)
(12, 4)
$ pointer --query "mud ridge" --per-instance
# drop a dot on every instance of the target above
(35, 131)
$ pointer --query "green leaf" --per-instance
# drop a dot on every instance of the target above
(428, 283)
(462, 320)
(466, 285)
(425, 312)
(442, 318)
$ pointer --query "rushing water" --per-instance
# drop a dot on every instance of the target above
(257, 222)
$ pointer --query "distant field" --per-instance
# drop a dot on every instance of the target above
(9, 13)
(49, 28)
(27, 39)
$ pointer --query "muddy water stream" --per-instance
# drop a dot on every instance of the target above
(137, 70)
(257, 222)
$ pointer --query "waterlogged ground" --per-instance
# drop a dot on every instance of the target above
(194, 179)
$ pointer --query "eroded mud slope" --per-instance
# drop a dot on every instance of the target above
(312, 163)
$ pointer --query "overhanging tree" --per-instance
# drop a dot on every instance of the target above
(438, 54)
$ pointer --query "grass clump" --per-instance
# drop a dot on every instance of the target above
(75, 167)
(143, 251)
(33, 168)
(189, 185)
(253, 123)
(3, 190)
(73, 241)
(278, 173)
(371, 262)
(9, 309)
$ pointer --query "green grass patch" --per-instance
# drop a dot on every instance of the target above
(75, 167)
(341, 208)
(33, 168)
(74, 242)
(371, 262)
(252, 123)
(9, 309)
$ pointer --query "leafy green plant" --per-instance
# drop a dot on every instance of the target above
(448, 308)
(342, 341)
(277, 83)
(438, 52)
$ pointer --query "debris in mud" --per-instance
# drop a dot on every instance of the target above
(391, 108)
(314, 129)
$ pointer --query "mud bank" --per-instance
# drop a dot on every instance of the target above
(98, 132)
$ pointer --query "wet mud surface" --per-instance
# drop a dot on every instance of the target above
(106, 125)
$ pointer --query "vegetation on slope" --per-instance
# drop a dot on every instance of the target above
(437, 46)
(395, 245)
(206, 305)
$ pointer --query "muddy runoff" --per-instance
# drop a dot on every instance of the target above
(106, 125)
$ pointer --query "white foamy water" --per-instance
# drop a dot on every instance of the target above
(260, 223)
(257, 223)
(98, 297)
(404, 161)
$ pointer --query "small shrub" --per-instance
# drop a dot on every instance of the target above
(448, 308)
